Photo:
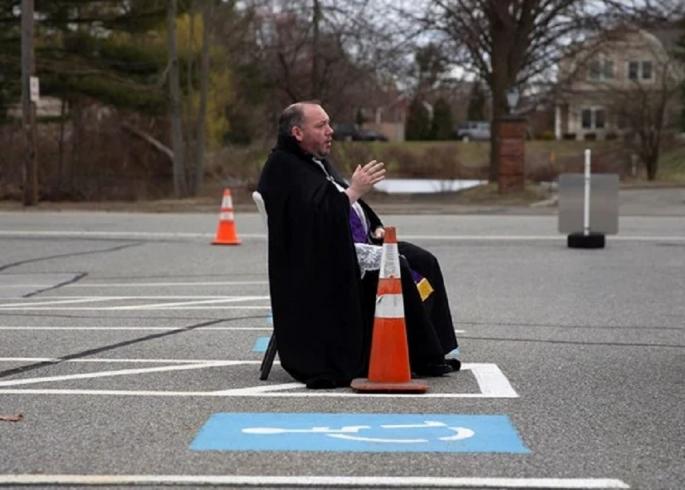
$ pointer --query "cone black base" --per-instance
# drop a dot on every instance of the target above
(366, 386)
(580, 240)
(225, 243)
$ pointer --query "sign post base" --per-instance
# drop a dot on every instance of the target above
(581, 240)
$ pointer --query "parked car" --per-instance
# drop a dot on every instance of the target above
(352, 132)
(473, 130)
(344, 131)
(370, 135)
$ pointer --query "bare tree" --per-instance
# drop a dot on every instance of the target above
(514, 43)
(507, 43)
(327, 50)
(648, 109)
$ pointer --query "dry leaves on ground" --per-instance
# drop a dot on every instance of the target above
(11, 418)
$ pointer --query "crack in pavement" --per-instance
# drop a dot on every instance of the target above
(77, 278)
(97, 350)
(75, 254)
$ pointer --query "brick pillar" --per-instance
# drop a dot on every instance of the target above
(510, 138)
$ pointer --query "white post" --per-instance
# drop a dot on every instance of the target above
(586, 204)
(557, 122)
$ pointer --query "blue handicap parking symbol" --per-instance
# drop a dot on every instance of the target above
(358, 433)
(261, 344)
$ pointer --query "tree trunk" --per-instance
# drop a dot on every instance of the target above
(180, 188)
(188, 119)
(652, 160)
(499, 84)
(60, 144)
(28, 68)
(76, 110)
(148, 138)
(316, 20)
(202, 108)
(652, 167)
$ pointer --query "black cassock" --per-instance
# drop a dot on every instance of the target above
(322, 309)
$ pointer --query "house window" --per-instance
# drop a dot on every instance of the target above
(633, 68)
(601, 69)
(593, 70)
(586, 118)
(646, 70)
(600, 118)
(640, 70)
(593, 118)
(608, 70)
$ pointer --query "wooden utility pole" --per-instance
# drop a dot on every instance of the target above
(177, 145)
(28, 68)
(200, 124)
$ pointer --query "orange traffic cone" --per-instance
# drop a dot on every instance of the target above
(226, 232)
(389, 369)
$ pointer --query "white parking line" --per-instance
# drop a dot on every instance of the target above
(120, 372)
(490, 379)
(72, 303)
(140, 296)
(116, 308)
(138, 284)
(316, 481)
(142, 328)
(262, 236)
(187, 304)
(105, 360)
(41, 302)
(163, 284)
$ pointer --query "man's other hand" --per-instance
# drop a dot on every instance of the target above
(379, 233)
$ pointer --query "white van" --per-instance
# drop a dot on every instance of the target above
(473, 130)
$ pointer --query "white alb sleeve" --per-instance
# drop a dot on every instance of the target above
(368, 257)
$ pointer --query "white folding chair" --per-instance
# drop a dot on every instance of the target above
(270, 353)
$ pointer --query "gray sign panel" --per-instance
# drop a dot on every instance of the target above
(603, 203)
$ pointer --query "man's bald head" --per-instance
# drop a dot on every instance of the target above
(309, 125)
(292, 116)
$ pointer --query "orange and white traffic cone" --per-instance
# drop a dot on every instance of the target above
(226, 233)
(389, 369)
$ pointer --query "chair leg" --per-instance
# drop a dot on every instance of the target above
(268, 359)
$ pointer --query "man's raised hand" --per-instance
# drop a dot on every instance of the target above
(364, 178)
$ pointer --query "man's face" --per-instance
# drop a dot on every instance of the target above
(315, 134)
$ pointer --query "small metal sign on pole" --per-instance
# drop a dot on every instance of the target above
(588, 207)
(34, 85)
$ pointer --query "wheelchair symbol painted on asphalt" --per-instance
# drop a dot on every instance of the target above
(358, 432)
(344, 432)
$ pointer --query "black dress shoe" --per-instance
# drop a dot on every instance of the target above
(437, 369)
(321, 383)
(455, 364)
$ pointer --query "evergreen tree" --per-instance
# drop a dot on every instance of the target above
(418, 126)
(476, 107)
(106, 50)
(441, 126)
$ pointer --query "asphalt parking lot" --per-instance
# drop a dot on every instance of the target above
(131, 346)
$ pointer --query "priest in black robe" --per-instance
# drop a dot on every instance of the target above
(323, 290)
